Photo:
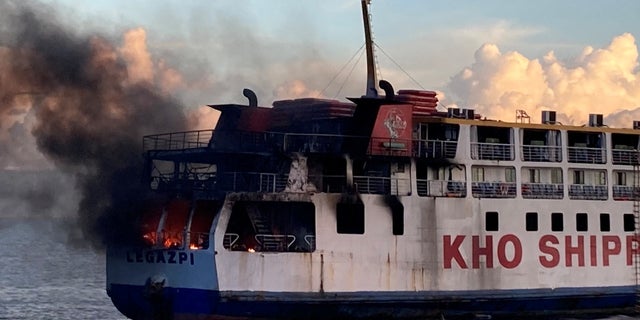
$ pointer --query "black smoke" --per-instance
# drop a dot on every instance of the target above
(90, 115)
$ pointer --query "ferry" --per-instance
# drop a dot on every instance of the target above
(383, 207)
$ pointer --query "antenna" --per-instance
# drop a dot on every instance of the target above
(371, 91)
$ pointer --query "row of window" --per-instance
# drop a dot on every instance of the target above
(497, 143)
(557, 222)
(554, 175)
(350, 220)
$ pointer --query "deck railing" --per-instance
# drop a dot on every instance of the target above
(625, 193)
(229, 240)
(172, 239)
(310, 240)
(382, 185)
(274, 243)
(492, 151)
(588, 192)
(275, 182)
(331, 143)
(441, 188)
(177, 140)
(541, 153)
(625, 156)
(252, 181)
(542, 190)
(297, 142)
(435, 149)
(586, 155)
(493, 189)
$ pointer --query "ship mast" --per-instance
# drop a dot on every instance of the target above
(371, 91)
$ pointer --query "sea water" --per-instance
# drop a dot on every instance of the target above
(44, 276)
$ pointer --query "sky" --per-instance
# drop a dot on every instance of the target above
(269, 45)
(574, 57)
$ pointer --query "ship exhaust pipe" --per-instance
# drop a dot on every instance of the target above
(389, 93)
(253, 99)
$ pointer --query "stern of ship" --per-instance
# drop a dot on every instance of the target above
(173, 273)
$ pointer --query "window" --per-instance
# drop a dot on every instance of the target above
(397, 215)
(350, 218)
(534, 175)
(605, 223)
(556, 175)
(510, 174)
(557, 223)
(477, 174)
(201, 220)
(602, 178)
(582, 222)
(621, 178)
(531, 219)
(491, 221)
(629, 222)
(578, 177)
(451, 132)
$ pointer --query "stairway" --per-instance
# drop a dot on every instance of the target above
(264, 233)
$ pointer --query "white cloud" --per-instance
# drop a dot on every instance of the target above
(597, 81)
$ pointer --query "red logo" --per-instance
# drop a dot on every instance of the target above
(395, 123)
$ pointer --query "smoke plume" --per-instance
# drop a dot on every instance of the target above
(91, 102)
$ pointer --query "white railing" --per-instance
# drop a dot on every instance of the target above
(586, 155)
(274, 242)
(496, 189)
(542, 190)
(177, 140)
(382, 185)
(333, 143)
(297, 142)
(541, 153)
(441, 188)
(435, 148)
(492, 151)
(252, 181)
(311, 242)
(588, 192)
(230, 240)
(625, 156)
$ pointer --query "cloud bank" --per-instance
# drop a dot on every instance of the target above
(604, 80)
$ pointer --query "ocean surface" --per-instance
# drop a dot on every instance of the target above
(43, 276)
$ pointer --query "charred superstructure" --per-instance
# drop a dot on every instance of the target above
(382, 207)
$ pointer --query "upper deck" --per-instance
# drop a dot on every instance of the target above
(433, 138)
(450, 155)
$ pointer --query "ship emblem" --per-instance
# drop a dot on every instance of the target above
(395, 123)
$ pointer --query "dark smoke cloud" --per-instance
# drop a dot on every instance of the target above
(89, 114)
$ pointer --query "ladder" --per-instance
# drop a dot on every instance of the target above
(636, 215)
(260, 224)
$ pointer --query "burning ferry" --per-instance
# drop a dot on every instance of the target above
(383, 207)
